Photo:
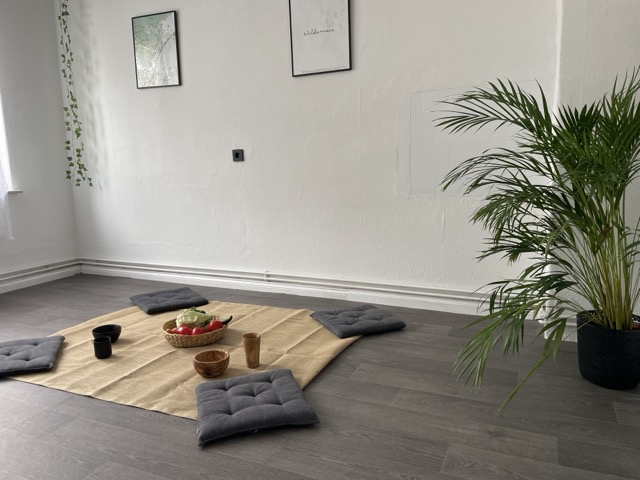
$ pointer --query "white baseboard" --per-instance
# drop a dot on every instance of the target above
(29, 277)
(396, 295)
(453, 301)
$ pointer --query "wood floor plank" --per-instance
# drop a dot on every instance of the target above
(29, 457)
(156, 425)
(573, 428)
(41, 423)
(115, 471)
(10, 476)
(342, 449)
(427, 427)
(616, 460)
(475, 464)
(14, 411)
(627, 411)
(478, 410)
(437, 347)
(333, 463)
(30, 393)
(353, 389)
(526, 418)
(155, 455)
(574, 384)
(436, 380)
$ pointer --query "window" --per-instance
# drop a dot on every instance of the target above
(5, 180)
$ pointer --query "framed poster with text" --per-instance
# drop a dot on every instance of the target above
(320, 36)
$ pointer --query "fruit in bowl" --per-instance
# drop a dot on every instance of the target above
(205, 334)
(214, 324)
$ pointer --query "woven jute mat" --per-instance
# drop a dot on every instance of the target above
(146, 372)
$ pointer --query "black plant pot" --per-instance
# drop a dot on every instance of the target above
(608, 358)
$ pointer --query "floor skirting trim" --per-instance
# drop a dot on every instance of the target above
(454, 301)
(383, 294)
(28, 277)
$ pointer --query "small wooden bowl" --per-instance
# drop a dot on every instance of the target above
(211, 363)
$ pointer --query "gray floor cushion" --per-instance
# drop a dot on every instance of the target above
(165, 300)
(362, 320)
(29, 355)
(249, 403)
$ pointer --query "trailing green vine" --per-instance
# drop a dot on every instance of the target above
(74, 145)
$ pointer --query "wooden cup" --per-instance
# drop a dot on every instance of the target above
(251, 342)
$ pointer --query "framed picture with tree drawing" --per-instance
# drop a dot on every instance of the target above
(155, 48)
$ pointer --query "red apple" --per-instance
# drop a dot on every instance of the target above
(184, 330)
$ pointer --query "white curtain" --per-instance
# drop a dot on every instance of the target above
(5, 224)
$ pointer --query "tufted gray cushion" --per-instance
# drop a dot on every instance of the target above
(165, 300)
(362, 320)
(253, 402)
(29, 355)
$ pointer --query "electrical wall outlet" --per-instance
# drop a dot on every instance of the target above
(238, 155)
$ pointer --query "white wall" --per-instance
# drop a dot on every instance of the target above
(42, 217)
(599, 41)
(325, 188)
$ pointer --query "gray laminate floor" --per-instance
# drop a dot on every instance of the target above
(389, 408)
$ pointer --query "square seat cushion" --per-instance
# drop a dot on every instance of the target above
(29, 355)
(362, 320)
(249, 403)
(165, 300)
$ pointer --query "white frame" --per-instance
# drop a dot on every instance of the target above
(320, 36)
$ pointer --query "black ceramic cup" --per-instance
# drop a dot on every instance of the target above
(102, 347)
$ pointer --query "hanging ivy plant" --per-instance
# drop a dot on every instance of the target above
(76, 169)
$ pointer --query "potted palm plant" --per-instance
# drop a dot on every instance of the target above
(557, 198)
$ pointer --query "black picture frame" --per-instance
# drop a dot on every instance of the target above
(320, 32)
(155, 50)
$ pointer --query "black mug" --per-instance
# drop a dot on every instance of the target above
(102, 347)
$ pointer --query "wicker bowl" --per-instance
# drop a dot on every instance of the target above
(185, 341)
(211, 363)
